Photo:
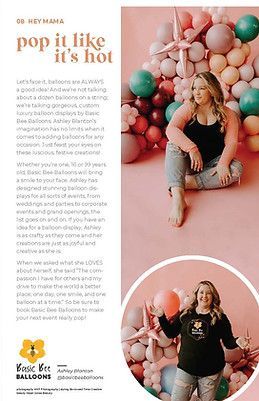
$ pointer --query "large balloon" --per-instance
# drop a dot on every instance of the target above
(168, 300)
(247, 28)
(135, 317)
(168, 373)
(130, 148)
(142, 83)
(222, 390)
(249, 102)
(171, 108)
(219, 38)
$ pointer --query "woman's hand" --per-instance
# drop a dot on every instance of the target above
(196, 160)
(243, 343)
(159, 311)
(223, 173)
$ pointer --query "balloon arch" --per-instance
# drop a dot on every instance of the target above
(205, 41)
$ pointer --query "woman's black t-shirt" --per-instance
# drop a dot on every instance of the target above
(201, 353)
(208, 138)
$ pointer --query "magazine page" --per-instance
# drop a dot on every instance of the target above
(60, 203)
(189, 199)
(129, 261)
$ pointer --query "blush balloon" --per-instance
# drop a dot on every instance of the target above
(168, 300)
(168, 67)
(130, 148)
(164, 32)
(255, 64)
(185, 19)
(238, 88)
(196, 52)
(219, 38)
(201, 18)
(236, 57)
(246, 72)
(189, 69)
(202, 66)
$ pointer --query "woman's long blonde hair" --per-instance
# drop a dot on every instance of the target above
(217, 96)
(215, 309)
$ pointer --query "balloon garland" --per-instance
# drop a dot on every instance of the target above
(145, 345)
(205, 41)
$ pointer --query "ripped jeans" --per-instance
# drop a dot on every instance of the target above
(177, 165)
(185, 384)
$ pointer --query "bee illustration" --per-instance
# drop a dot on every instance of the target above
(32, 351)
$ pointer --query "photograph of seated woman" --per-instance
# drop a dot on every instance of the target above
(203, 137)
(202, 327)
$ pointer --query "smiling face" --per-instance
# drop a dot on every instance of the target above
(204, 297)
(201, 93)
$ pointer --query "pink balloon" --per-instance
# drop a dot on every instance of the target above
(246, 72)
(164, 32)
(256, 65)
(168, 300)
(157, 355)
(156, 377)
(185, 19)
(178, 98)
(254, 83)
(157, 387)
(156, 46)
(186, 83)
(138, 352)
(165, 397)
(216, 18)
(174, 55)
(202, 66)
(237, 43)
(219, 38)
(235, 377)
(170, 352)
(146, 364)
(234, 105)
(177, 80)
(124, 126)
(154, 367)
(196, 52)
(186, 94)
(189, 69)
(130, 148)
(239, 88)
(164, 341)
(147, 382)
(127, 332)
(201, 18)
(168, 67)
(148, 373)
(135, 317)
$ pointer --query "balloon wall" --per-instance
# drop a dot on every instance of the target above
(206, 40)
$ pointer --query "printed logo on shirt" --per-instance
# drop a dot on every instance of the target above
(197, 329)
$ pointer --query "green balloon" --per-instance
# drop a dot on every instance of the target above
(247, 28)
(142, 83)
(151, 390)
(171, 108)
(222, 390)
(249, 102)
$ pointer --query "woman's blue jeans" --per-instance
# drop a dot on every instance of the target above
(185, 384)
(177, 165)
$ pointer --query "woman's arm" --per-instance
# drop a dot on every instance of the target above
(226, 333)
(171, 329)
(231, 138)
(175, 128)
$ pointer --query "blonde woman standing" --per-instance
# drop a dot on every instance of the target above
(202, 327)
(203, 137)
